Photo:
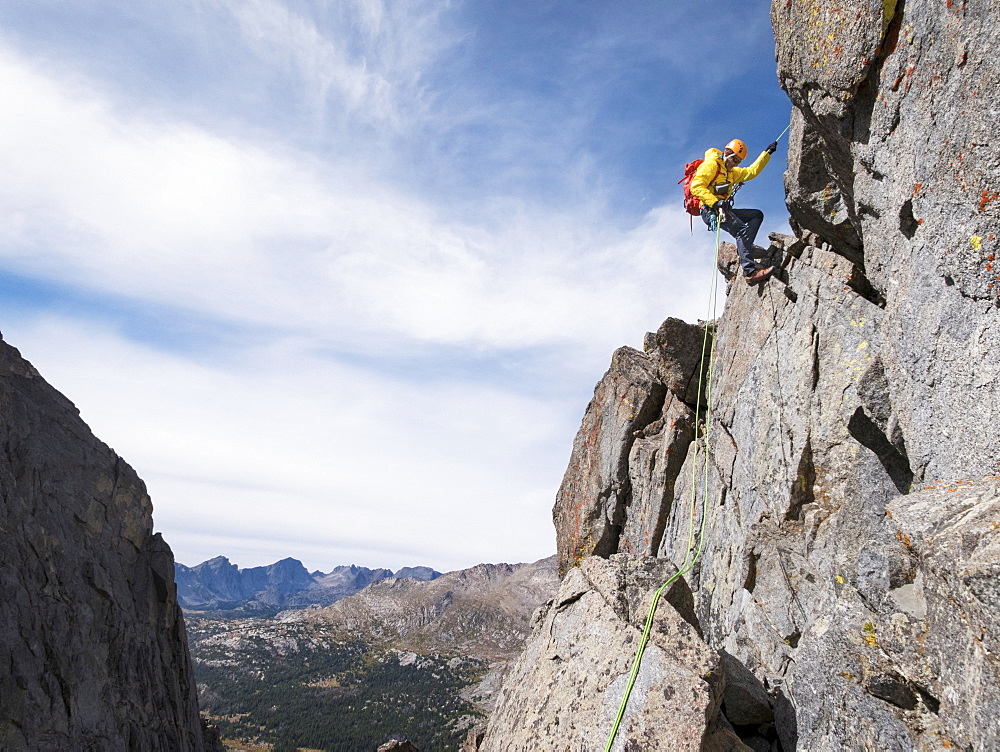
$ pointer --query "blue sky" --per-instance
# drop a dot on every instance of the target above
(338, 278)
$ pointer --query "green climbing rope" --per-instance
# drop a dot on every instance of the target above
(693, 554)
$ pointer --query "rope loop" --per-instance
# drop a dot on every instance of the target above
(693, 553)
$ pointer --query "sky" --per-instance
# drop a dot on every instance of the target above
(338, 277)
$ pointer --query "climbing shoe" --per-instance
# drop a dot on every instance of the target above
(759, 276)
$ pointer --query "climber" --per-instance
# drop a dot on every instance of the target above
(713, 183)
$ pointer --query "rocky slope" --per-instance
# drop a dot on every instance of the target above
(219, 585)
(93, 653)
(418, 658)
(482, 612)
(851, 563)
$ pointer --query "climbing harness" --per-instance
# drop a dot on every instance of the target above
(693, 554)
(717, 217)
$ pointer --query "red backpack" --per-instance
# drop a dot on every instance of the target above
(692, 204)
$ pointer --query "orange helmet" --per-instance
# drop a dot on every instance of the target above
(738, 148)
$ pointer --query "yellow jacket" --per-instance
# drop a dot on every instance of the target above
(712, 172)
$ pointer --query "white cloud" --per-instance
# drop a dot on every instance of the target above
(293, 42)
(362, 56)
(173, 215)
(289, 446)
(277, 445)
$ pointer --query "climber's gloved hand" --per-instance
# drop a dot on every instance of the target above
(772, 148)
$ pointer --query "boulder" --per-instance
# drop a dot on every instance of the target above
(396, 745)
(565, 690)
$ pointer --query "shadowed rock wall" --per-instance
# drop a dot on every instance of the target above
(93, 653)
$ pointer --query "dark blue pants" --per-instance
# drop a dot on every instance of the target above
(743, 225)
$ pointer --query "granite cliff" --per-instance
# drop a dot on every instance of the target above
(848, 592)
(93, 652)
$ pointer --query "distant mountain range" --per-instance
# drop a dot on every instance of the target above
(400, 657)
(220, 585)
(481, 612)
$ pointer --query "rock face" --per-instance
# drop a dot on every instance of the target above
(579, 661)
(893, 163)
(619, 485)
(93, 653)
(850, 564)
